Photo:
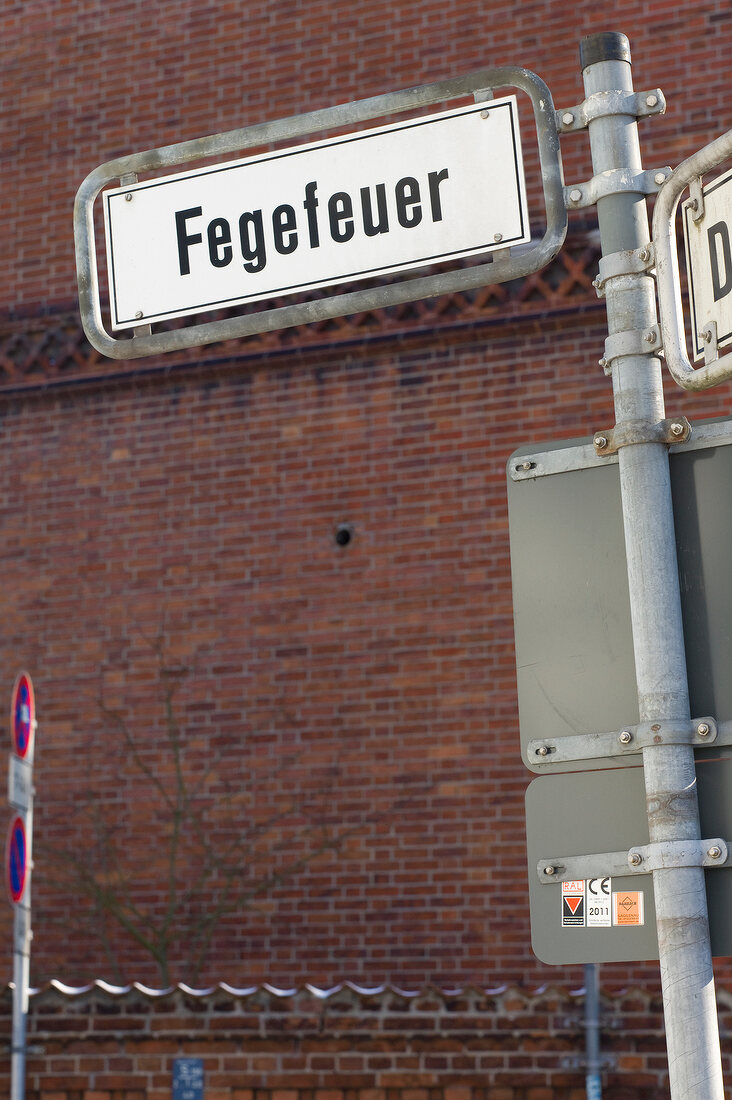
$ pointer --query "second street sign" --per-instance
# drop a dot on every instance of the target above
(708, 238)
(389, 199)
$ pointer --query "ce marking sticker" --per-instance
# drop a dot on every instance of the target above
(599, 903)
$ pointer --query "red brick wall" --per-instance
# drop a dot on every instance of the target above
(501, 1044)
(370, 686)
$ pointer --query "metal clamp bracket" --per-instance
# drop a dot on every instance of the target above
(696, 199)
(608, 442)
(710, 340)
(614, 182)
(638, 860)
(633, 342)
(631, 739)
(635, 261)
(644, 859)
(616, 102)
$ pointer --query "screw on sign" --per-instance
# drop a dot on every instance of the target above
(16, 860)
(22, 715)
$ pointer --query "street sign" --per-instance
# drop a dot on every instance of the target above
(607, 917)
(708, 239)
(441, 187)
(290, 218)
(23, 716)
(16, 860)
(574, 643)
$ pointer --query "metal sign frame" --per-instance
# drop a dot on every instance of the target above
(686, 174)
(502, 267)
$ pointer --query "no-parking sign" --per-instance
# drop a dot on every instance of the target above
(23, 716)
(16, 860)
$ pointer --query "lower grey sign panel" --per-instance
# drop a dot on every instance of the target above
(610, 918)
(574, 643)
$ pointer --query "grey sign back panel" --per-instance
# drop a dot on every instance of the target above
(574, 646)
(587, 813)
(701, 484)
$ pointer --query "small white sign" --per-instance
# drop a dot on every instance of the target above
(394, 198)
(709, 262)
(20, 783)
(599, 903)
(21, 930)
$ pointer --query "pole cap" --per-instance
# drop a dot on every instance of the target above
(606, 46)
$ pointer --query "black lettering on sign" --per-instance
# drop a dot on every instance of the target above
(407, 196)
(381, 225)
(251, 235)
(435, 179)
(185, 239)
(220, 251)
(310, 204)
(718, 239)
(284, 227)
(371, 213)
(340, 213)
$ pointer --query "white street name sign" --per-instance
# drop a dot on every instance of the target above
(394, 198)
(709, 262)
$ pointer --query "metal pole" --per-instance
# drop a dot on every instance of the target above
(692, 1032)
(593, 1081)
(21, 966)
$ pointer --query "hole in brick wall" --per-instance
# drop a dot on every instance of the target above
(344, 534)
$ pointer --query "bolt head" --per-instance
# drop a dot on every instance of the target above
(649, 336)
(677, 428)
(567, 118)
(703, 729)
(600, 442)
(660, 177)
(635, 859)
(497, 237)
(625, 737)
(543, 750)
(550, 870)
(651, 101)
(714, 852)
(575, 195)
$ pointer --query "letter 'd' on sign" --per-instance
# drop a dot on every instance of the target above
(709, 261)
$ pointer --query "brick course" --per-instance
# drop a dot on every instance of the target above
(346, 1044)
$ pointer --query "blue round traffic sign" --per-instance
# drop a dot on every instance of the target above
(22, 714)
(16, 860)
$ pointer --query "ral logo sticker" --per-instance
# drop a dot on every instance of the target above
(573, 903)
(599, 896)
(628, 908)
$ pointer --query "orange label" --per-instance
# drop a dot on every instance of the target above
(628, 907)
